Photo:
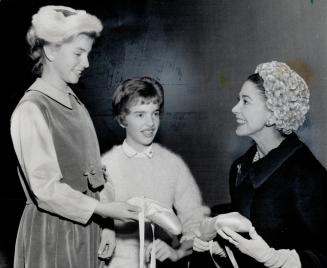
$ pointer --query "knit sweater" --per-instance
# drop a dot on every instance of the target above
(163, 177)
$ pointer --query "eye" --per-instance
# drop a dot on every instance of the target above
(157, 113)
(140, 115)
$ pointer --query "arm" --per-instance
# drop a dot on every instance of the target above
(309, 193)
(258, 249)
(36, 153)
(189, 207)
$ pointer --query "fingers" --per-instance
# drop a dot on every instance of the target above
(106, 251)
(253, 234)
(133, 211)
(163, 251)
(101, 246)
(111, 250)
(148, 253)
(199, 245)
(133, 208)
(233, 237)
(222, 234)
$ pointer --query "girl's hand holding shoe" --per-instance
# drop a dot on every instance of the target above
(163, 252)
(118, 210)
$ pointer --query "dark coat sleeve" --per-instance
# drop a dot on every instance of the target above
(309, 194)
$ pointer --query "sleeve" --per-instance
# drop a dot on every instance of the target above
(188, 201)
(310, 202)
(36, 154)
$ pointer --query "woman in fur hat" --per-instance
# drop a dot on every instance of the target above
(58, 153)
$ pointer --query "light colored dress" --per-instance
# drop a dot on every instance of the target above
(158, 174)
(56, 145)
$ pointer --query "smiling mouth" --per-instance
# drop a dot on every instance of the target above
(240, 121)
(148, 133)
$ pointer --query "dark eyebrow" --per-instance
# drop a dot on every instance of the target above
(246, 96)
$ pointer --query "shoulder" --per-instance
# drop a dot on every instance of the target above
(305, 164)
(26, 110)
(114, 153)
(167, 154)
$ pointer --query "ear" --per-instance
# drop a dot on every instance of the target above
(121, 121)
(49, 52)
(270, 121)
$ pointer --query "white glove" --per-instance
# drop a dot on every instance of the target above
(234, 220)
(258, 249)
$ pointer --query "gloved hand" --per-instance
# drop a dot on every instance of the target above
(212, 246)
(234, 220)
(258, 249)
(255, 247)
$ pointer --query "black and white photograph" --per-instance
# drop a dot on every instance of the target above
(168, 134)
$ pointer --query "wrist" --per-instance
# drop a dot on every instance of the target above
(267, 256)
(179, 254)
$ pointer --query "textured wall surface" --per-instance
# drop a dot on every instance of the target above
(201, 51)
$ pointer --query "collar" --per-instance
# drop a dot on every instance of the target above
(130, 152)
(261, 170)
(54, 93)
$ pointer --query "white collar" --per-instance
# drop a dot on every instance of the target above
(130, 152)
(54, 93)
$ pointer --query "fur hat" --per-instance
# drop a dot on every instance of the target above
(55, 24)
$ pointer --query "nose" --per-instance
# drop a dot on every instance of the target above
(150, 120)
(85, 62)
(235, 109)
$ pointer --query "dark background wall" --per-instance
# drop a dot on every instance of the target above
(201, 51)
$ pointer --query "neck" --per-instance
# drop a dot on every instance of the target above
(269, 141)
(53, 80)
(137, 147)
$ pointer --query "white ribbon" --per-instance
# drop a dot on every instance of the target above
(141, 219)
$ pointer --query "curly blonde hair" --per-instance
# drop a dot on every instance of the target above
(287, 95)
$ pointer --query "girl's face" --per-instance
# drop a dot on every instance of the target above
(71, 58)
(141, 124)
(251, 111)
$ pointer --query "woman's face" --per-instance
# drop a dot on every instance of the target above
(251, 112)
(71, 58)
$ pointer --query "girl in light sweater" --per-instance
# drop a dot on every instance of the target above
(139, 167)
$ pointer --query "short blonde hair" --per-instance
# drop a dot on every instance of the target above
(57, 24)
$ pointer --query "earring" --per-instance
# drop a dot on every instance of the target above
(269, 123)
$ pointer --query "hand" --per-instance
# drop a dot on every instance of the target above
(105, 173)
(163, 251)
(107, 244)
(118, 210)
(201, 246)
(255, 247)
(234, 220)
(207, 229)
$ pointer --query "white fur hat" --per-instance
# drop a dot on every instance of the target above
(55, 24)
